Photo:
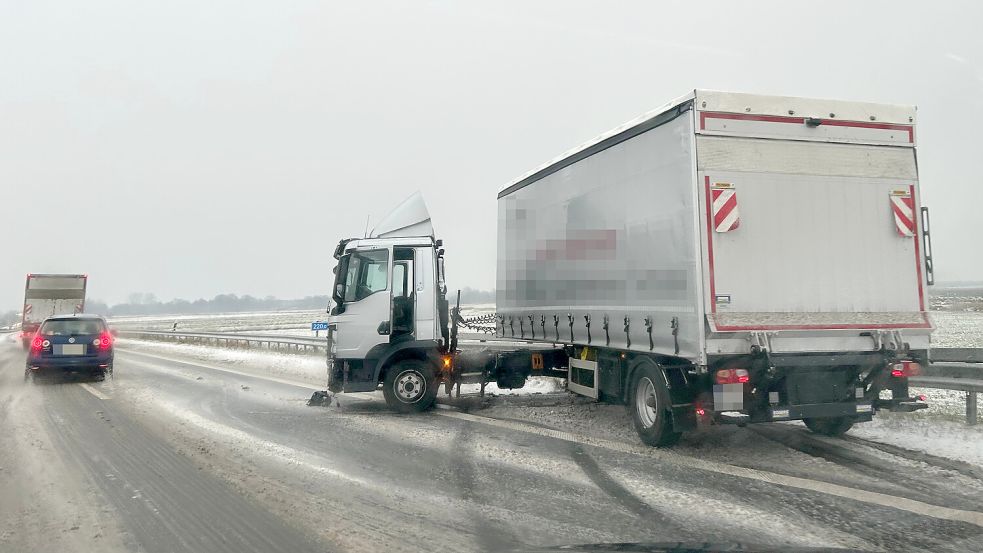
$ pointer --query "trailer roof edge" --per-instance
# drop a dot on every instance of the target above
(726, 102)
(648, 121)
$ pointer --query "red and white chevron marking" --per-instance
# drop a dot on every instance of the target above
(28, 308)
(904, 214)
(725, 215)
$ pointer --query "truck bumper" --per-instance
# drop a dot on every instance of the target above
(65, 366)
(862, 411)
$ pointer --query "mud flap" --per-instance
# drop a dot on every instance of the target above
(684, 418)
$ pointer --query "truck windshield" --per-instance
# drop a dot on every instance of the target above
(71, 327)
(366, 273)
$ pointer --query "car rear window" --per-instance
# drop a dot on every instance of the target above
(72, 327)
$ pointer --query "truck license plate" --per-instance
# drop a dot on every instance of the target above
(72, 349)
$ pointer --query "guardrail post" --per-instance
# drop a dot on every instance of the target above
(971, 408)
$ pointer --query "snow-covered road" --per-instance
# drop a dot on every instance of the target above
(182, 452)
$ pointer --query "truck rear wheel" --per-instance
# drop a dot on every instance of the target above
(833, 426)
(648, 401)
(410, 386)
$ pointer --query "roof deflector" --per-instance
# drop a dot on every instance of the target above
(410, 218)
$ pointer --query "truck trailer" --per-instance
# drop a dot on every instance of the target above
(47, 295)
(726, 258)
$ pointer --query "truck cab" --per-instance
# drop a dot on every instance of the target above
(388, 322)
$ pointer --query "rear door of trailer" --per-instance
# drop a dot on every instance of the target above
(49, 295)
(809, 225)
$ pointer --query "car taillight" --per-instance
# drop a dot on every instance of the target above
(905, 369)
(37, 344)
(733, 376)
(104, 341)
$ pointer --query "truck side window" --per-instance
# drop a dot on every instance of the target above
(403, 292)
(399, 280)
(368, 273)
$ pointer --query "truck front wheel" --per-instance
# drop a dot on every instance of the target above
(833, 426)
(648, 400)
(410, 386)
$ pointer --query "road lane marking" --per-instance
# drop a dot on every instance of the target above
(874, 498)
(93, 391)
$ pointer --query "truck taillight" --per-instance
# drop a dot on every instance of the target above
(905, 369)
(733, 376)
(103, 341)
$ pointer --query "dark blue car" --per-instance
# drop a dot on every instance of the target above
(71, 344)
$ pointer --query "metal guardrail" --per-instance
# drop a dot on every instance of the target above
(959, 369)
(957, 355)
(227, 339)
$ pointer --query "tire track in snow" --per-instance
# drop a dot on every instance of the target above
(490, 537)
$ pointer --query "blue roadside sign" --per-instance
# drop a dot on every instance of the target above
(318, 325)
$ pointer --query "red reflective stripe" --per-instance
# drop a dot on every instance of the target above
(713, 290)
(918, 255)
(824, 327)
(725, 210)
(908, 222)
(704, 115)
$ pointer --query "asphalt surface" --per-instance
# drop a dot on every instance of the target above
(175, 456)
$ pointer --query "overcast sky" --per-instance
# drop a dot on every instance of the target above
(190, 148)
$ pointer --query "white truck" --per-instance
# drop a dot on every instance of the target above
(726, 258)
(47, 295)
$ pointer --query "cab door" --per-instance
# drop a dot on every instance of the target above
(404, 298)
(362, 295)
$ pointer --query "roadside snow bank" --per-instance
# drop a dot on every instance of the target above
(942, 438)
(534, 385)
(310, 369)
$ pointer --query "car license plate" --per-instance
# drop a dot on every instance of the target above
(72, 349)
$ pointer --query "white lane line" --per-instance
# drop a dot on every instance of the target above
(874, 498)
(194, 363)
(94, 391)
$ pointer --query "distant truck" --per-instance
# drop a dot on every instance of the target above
(726, 258)
(47, 295)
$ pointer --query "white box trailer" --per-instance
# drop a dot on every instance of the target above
(50, 294)
(727, 258)
(723, 226)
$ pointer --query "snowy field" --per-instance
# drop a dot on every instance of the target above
(954, 329)
(287, 323)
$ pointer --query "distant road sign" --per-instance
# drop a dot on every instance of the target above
(318, 325)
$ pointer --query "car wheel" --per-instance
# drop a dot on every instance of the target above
(833, 426)
(649, 403)
(410, 386)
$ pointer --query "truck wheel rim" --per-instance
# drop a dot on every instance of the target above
(410, 386)
(646, 402)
